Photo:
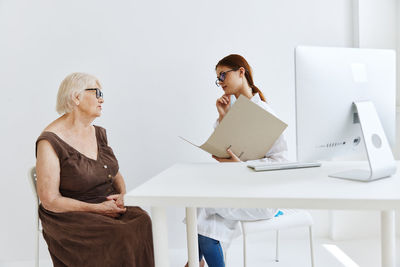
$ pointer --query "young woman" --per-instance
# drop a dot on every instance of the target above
(216, 226)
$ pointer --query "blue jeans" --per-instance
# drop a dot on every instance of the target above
(211, 250)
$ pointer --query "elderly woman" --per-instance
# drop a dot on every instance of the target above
(85, 222)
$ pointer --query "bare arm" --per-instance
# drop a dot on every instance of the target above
(48, 183)
(119, 183)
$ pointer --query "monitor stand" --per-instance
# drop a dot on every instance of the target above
(380, 156)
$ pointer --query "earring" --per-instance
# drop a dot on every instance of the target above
(77, 103)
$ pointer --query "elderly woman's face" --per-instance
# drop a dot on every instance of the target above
(92, 100)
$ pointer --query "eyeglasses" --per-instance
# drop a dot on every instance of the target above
(222, 76)
(98, 92)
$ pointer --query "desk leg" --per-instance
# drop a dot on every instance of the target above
(388, 238)
(192, 242)
(160, 236)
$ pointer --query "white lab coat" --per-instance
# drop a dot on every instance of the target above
(223, 223)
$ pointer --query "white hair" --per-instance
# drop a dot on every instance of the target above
(73, 85)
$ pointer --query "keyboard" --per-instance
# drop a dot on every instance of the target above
(282, 166)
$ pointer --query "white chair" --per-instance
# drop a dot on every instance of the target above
(32, 181)
(290, 219)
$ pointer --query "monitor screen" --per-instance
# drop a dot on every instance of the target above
(328, 82)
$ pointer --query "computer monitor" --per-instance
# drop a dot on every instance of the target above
(345, 104)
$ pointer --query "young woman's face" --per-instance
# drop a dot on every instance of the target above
(229, 79)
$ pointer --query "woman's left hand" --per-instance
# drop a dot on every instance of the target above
(119, 199)
(233, 157)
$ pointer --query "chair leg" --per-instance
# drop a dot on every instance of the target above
(244, 247)
(225, 252)
(277, 246)
(37, 249)
(311, 247)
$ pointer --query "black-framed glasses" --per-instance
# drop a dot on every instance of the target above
(222, 76)
(99, 93)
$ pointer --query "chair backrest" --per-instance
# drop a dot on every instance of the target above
(32, 181)
(291, 218)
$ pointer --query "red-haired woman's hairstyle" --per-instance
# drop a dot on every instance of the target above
(235, 61)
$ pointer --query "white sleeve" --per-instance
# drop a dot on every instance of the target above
(277, 153)
(216, 123)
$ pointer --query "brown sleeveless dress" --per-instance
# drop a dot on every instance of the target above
(89, 239)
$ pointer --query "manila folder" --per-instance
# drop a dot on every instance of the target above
(247, 129)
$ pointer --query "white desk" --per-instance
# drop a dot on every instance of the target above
(234, 185)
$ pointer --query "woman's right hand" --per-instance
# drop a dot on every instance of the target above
(109, 208)
(223, 106)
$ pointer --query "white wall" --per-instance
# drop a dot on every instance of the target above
(377, 22)
(398, 50)
(378, 27)
(156, 61)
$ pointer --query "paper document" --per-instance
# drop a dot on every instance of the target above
(247, 129)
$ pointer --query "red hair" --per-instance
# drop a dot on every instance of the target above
(235, 61)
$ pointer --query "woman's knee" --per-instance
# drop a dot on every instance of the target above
(212, 251)
(207, 243)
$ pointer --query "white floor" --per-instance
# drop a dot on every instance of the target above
(293, 253)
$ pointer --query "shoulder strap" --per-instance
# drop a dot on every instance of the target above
(58, 147)
(101, 135)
